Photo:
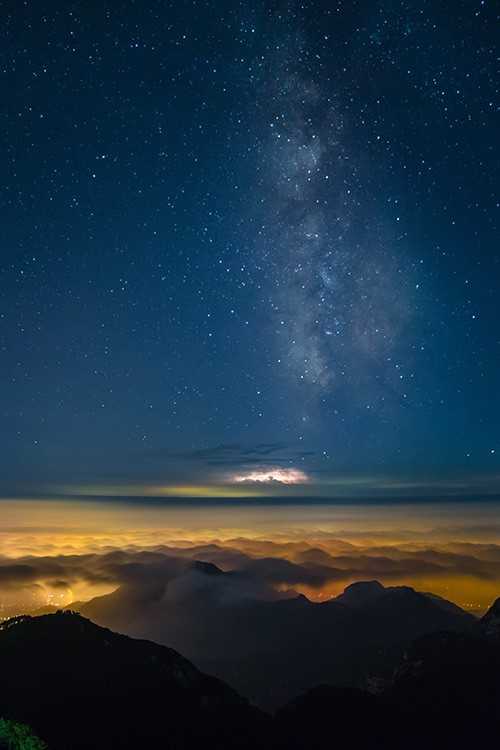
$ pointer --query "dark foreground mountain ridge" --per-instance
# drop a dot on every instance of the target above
(82, 686)
(444, 695)
(79, 685)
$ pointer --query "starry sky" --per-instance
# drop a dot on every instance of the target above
(249, 248)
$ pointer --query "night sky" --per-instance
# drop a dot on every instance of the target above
(249, 241)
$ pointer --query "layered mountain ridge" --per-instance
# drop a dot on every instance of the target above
(80, 685)
(208, 616)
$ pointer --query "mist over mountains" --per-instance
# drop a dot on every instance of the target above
(319, 566)
(287, 672)
(379, 665)
(273, 649)
(237, 613)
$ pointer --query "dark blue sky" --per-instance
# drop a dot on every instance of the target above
(242, 236)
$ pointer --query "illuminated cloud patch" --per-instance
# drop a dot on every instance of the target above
(271, 475)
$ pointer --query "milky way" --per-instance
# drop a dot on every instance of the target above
(340, 283)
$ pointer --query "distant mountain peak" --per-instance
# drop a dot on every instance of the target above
(206, 567)
(361, 592)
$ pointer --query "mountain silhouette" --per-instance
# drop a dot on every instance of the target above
(329, 716)
(448, 685)
(490, 623)
(271, 651)
(78, 685)
(444, 695)
(82, 686)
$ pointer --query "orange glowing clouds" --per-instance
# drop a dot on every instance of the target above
(268, 476)
(451, 549)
